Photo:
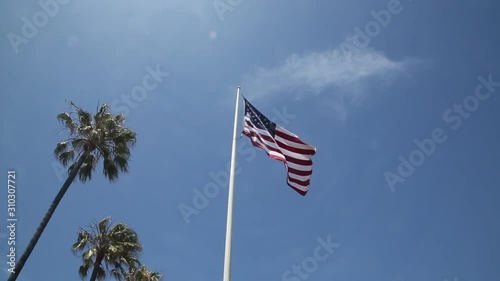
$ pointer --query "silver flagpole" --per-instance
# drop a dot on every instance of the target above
(229, 225)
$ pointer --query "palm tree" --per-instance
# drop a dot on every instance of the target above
(90, 139)
(117, 246)
(143, 274)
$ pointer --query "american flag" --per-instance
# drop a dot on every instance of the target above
(281, 145)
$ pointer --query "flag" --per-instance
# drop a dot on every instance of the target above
(281, 145)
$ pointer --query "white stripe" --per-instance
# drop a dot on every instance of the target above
(285, 151)
(298, 186)
(300, 178)
(299, 167)
(271, 144)
(295, 155)
(261, 131)
(266, 133)
(274, 153)
(293, 144)
(279, 139)
(279, 128)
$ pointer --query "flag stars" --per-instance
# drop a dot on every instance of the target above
(258, 119)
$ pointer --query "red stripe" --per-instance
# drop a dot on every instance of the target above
(253, 134)
(299, 182)
(299, 161)
(268, 138)
(254, 131)
(299, 172)
(264, 147)
(289, 137)
(265, 137)
(296, 150)
(257, 144)
(301, 192)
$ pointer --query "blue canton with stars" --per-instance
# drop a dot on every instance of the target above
(258, 119)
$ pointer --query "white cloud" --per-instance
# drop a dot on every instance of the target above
(315, 73)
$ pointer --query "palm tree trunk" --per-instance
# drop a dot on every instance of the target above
(97, 264)
(46, 218)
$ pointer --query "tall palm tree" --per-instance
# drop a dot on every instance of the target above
(90, 139)
(143, 274)
(117, 246)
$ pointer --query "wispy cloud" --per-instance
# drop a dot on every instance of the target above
(315, 73)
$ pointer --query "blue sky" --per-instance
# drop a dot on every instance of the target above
(361, 103)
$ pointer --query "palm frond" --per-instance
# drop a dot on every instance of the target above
(101, 135)
(60, 148)
(85, 118)
(81, 242)
(68, 122)
(121, 162)
(110, 170)
(87, 168)
(66, 157)
(83, 270)
(101, 273)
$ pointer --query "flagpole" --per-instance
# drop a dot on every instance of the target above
(229, 224)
